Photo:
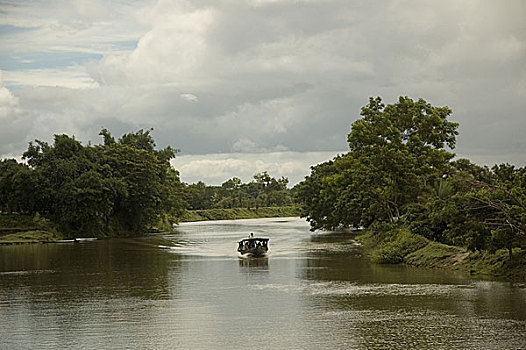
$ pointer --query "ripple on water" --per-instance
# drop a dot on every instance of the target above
(342, 288)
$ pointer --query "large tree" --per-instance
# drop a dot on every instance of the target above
(396, 151)
(115, 188)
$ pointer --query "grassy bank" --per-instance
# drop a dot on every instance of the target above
(240, 213)
(401, 246)
(19, 228)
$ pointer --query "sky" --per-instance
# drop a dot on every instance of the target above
(245, 86)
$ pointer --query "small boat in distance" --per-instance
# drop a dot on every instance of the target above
(253, 246)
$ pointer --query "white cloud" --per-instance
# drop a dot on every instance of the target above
(90, 26)
(72, 77)
(215, 169)
(259, 76)
(189, 97)
(8, 102)
(15, 122)
(171, 52)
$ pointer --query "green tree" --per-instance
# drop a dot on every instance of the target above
(16, 187)
(396, 151)
(115, 188)
(231, 193)
(200, 196)
(317, 197)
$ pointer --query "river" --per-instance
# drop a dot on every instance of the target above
(190, 290)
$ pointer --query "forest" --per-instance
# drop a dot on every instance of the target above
(400, 181)
(119, 188)
(263, 191)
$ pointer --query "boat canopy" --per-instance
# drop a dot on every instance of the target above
(254, 239)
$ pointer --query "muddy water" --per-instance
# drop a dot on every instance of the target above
(190, 290)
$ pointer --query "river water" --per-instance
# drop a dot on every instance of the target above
(190, 290)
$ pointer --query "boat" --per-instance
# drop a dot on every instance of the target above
(253, 246)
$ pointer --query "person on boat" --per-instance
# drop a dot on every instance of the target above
(251, 235)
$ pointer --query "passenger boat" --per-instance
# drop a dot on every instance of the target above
(253, 246)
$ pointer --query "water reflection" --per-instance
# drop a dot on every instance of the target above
(116, 268)
(253, 264)
(191, 289)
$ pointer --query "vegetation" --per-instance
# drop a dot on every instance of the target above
(400, 182)
(30, 237)
(121, 187)
(241, 213)
(118, 188)
(263, 191)
(20, 228)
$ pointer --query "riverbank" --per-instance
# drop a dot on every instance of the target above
(20, 228)
(403, 247)
(240, 213)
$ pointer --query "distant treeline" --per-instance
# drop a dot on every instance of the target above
(398, 177)
(262, 191)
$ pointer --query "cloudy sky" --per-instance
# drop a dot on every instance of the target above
(243, 86)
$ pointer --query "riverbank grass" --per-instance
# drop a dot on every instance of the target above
(36, 236)
(20, 228)
(240, 213)
(435, 255)
(402, 246)
(498, 264)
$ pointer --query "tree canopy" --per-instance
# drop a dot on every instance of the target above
(263, 190)
(399, 171)
(120, 187)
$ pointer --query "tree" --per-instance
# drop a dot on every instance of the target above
(501, 206)
(231, 192)
(316, 197)
(199, 196)
(402, 149)
(264, 190)
(115, 188)
(271, 192)
(16, 187)
(396, 151)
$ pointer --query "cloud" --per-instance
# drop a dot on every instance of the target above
(189, 97)
(93, 26)
(215, 169)
(15, 122)
(171, 52)
(72, 77)
(251, 76)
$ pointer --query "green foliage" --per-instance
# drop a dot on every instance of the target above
(240, 213)
(395, 151)
(436, 254)
(16, 183)
(400, 244)
(399, 175)
(10, 223)
(111, 189)
(497, 263)
(264, 191)
(30, 237)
